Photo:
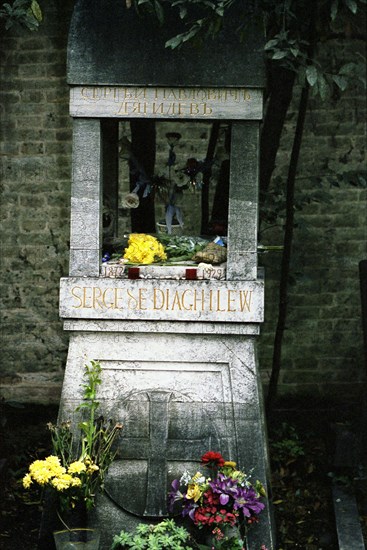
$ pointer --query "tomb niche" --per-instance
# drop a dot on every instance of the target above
(177, 344)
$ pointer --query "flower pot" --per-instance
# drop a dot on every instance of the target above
(162, 228)
(77, 539)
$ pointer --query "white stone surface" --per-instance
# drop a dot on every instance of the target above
(221, 301)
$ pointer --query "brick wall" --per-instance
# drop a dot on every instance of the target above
(323, 343)
(35, 178)
(323, 351)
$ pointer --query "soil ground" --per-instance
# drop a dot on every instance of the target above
(302, 449)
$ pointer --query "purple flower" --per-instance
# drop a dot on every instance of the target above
(247, 500)
(240, 498)
(175, 494)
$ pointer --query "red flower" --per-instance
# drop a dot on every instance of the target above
(213, 459)
(211, 498)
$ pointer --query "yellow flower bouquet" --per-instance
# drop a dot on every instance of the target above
(144, 249)
(76, 470)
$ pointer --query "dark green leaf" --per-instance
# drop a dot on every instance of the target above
(334, 9)
(352, 5)
(159, 11)
(36, 10)
(348, 68)
(340, 81)
(311, 75)
(323, 86)
(279, 54)
(269, 45)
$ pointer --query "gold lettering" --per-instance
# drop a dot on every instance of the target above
(132, 301)
(97, 293)
(142, 299)
(234, 94)
(140, 108)
(230, 300)
(207, 110)
(109, 305)
(169, 94)
(245, 300)
(199, 299)
(128, 93)
(76, 296)
(212, 94)
(194, 109)
(85, 297)
(117, 298)
(183, 298)
(156, 297)
(218, 301)
(176, 301)
(171, 109)
(210, 300)
(157, 108)
(91, 94)
(124, 109)
(108, 91)
(140, 92)
(182, 94)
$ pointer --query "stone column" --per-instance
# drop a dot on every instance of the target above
(86, 197)
(243, 201)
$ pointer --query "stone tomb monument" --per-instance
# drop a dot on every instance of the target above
(178, 357)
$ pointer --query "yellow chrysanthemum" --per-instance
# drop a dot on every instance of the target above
(76, 467)
(193, 492)
(62, 482)
(43, 470)
(92, 468)
(144, 249)
(27, 481)
(76, 482)
(52, 461)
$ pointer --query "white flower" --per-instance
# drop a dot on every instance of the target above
(131, 200)
(185, 478)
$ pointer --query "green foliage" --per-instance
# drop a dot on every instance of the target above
(97, 437)
(179, 248)
(24, 13)
(287, 29)
(165, 535)
(286, 445)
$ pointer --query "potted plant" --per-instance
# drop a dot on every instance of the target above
(76, 470)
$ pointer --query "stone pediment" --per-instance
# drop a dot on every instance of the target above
(112, 45)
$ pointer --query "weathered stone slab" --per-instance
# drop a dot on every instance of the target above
(97, 325)
(116, 270)
(160, 102)
(225, 301)
(348, 524)
(177, 395)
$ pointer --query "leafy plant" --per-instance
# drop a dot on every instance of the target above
(165, 535)
(26, 13)
(286, 446)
